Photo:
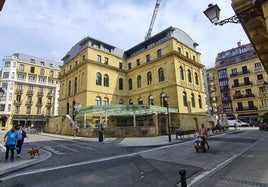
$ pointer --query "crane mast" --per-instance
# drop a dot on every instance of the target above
(148, 35)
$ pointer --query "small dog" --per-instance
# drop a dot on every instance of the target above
(34, 152)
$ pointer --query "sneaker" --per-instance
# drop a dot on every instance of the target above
(18, 155)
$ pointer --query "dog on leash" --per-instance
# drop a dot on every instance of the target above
(33, 152)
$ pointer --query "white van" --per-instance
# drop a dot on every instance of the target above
(238, 122)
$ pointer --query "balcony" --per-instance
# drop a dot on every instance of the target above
(237, 96)
(263, 94)
(261, 107)
(29, 103)
(246, 108)
(17, 102)
(49, 95)
(18, 92)
(242, 84)
(29, 92)
(40, 93)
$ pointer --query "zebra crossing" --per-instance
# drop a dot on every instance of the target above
(68, 148)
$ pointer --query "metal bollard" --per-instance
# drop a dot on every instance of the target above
(183, 178)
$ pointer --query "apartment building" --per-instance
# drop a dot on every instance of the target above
(128, 88)
(31, 90)
(238, 85)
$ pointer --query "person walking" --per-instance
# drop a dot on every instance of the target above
(10, 139)
(203, 132)
(22, 135)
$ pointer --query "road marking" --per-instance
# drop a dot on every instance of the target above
(83, 147)
(68, 148)
(56, 152)
(2, 148)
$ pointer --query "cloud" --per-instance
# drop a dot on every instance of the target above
(48, 29)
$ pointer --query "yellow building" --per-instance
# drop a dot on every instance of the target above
(119, 88)
(240, 84)
(31, 89)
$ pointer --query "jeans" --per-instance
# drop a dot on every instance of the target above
(19, 145)
(10, 148)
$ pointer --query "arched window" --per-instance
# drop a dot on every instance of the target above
(161, 75)
(189, 76)
(200, 101)
(69, 88)
(181, 73)
(151, 100)
(121, 84)
(140, 101)
(106, 80)
(98, 79)
(67, 108)
(98, 101)
(162, 99)
(105, 101)
(139, 81)
(196, 78)
(129, 84)
(184, 97)
(149, 78)
(75, 85)
(192, 100)
(130, 102)
(121, 102)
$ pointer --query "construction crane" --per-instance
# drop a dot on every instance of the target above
(148, 35)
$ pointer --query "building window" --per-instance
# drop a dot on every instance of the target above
(130, 102)
(69, 88)
(162, 99)
(21, 77)
(184, 97)
(121, 102)
(187, 54)
(121, 84)
(161, 75)
(106, 60)
(244, 69)
(105, 101)
(234, 71)
(129, 84)
(179, 50)
(32, 69)
(129, 65)
(149, 78)
(260, 77)
(181, 73)
(233, 52)
(200, 101)
(28, 110)
(33, 61)
(75, 85)
(22, 67)
(120, 65)
(189, 76)
(151, 100)
(148, 58)
(159, 53)
(98, 101)
(51, 73)
(31, 79)
(193, 58)
(42, 63)
(140, 101)
(98, 79)
(138, 62)
(42, 71)
(6, 75)
(139, 81)
(7, 64)
(246, 81)
(192, 100)
(106, 80)
(196, 79)
(258, 65)
(99, 58)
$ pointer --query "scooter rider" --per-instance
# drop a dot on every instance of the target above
(203, 132)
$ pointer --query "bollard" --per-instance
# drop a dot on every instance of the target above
(183, 178)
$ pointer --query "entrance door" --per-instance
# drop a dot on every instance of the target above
(163, 126)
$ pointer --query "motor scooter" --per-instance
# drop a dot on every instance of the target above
(199, 144)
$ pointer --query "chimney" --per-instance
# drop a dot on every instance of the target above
(239, 44)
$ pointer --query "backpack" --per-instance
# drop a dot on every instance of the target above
(24, 135)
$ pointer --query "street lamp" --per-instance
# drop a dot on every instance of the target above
(169, 130)
(213, 14)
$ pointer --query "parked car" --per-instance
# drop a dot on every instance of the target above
(238, 122)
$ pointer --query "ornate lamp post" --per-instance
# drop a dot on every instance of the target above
(213, 14)
(169, 129)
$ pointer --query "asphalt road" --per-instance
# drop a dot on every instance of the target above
(108, 165)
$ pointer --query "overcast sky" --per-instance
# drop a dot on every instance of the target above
(48, 29)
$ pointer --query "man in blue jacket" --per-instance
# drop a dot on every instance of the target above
(11, 139)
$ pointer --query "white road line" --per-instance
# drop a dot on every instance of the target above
(56, 152)
(83, 147)
(68, 148)
(2, 148)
